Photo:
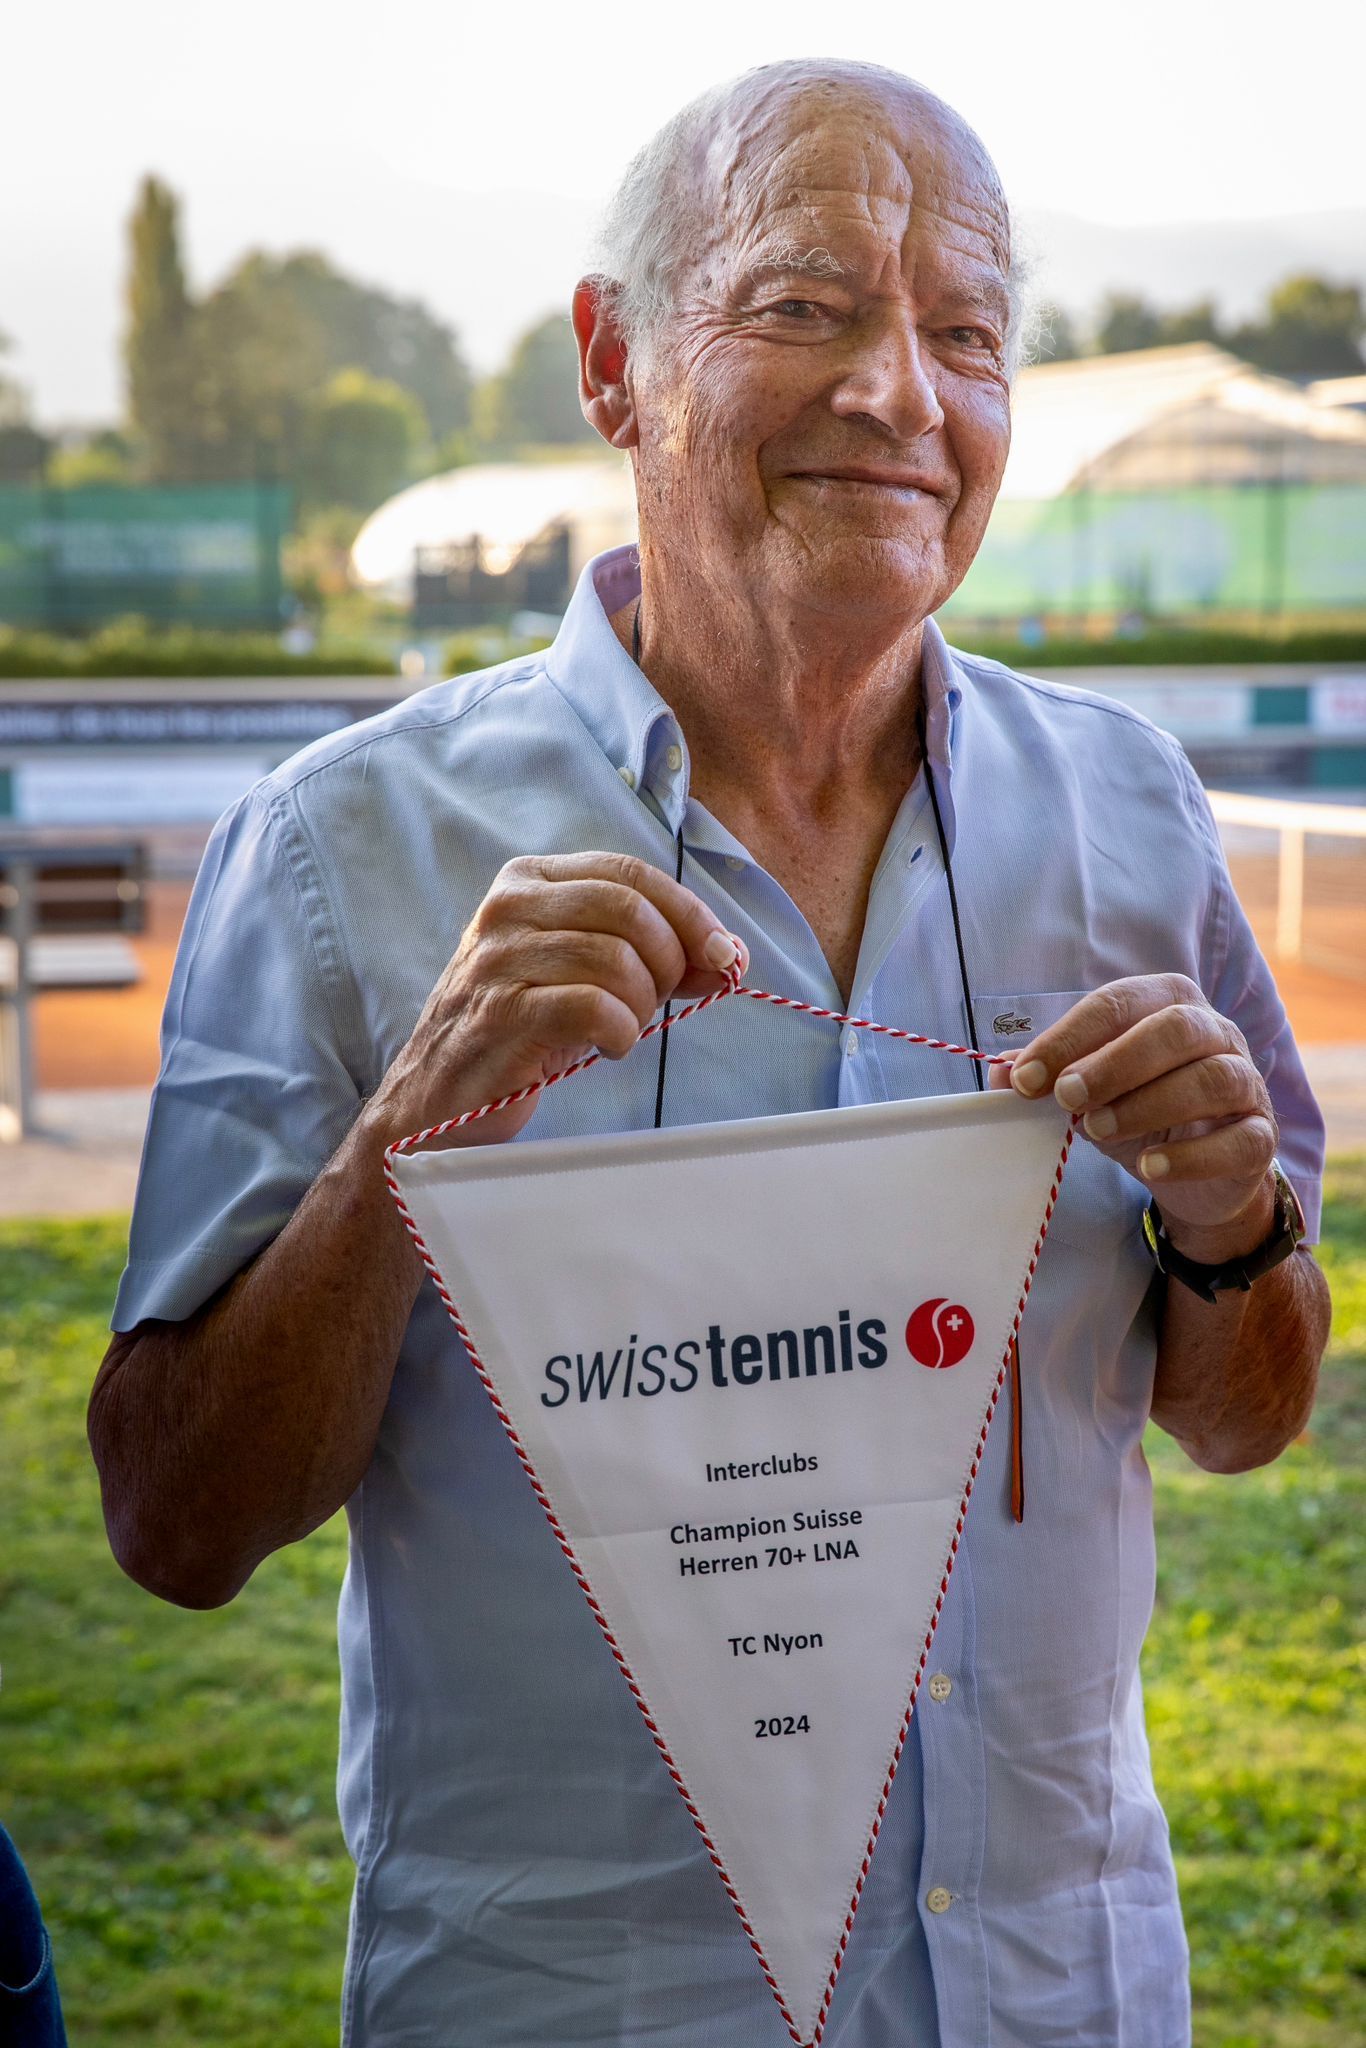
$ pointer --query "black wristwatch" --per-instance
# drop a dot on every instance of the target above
(1210, 1281)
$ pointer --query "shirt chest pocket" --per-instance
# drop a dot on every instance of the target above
(1100, 1204)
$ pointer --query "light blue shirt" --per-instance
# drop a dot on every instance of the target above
(527, 1876)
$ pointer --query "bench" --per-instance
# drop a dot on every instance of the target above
(56, 891)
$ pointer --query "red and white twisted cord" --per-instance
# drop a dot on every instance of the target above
(733, 987)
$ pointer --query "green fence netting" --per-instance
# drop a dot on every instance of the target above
(1270, 549)
(202, 553)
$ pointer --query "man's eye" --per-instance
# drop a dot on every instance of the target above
(972, 337)
(798, 309)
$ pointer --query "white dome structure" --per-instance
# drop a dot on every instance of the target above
(1161, 419)
(502, 505)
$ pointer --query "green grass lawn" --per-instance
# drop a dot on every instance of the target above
(169, 1776)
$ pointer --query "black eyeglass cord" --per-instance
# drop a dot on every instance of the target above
(678, 876)
(978, 1074)
(1017, 1490)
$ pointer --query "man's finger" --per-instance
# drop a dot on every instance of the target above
(1096, 1022)
(562, 1016)
(1241, 1151)
(1223, 1085)
(703, 937)
(1183, 1035)
(593, 959)
(614, 910)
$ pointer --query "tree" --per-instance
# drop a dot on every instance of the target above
(363, 437)
(260, 365)
(363, 328)
(101, 458)
(535, 400)
(23, 454)
(23, 450)
(1312, 328)
(159, 344)
(1057, 340)
(227, 387)
(1197, 322)
(1126, 322)
(317, 555)
(14, 410)
(334, 324)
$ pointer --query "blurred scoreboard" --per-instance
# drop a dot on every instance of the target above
(201, 554)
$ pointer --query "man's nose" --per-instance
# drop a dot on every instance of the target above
(885, 377)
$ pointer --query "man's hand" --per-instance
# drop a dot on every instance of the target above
(1168, 1088)
(295, 1356)
(567, 952)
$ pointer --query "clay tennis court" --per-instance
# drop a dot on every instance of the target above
(103, 1039)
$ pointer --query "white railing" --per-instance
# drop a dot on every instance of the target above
(1319, 885)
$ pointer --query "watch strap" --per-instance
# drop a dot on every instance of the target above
(1210, 1281)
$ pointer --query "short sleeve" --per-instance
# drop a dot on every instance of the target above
(254, 1093)
(1241, 986)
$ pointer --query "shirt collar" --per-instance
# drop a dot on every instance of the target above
(618, 704)
(635, 728)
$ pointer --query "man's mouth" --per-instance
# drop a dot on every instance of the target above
(903, 482)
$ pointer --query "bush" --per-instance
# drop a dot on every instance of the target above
(1155, 647)
(134, 647)
(484, 648)
(1162, 646)
(131, 647)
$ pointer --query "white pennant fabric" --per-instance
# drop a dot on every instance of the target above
(749, 1368)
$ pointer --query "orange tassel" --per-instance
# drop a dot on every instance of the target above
(1016, 1435)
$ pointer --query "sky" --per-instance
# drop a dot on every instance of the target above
(461, 153)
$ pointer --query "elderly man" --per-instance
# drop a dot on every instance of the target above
(803, 334)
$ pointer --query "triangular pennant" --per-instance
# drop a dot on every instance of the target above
(749, 1368)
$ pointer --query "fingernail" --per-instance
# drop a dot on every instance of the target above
(720, 951)
(1153, 1165)
(1070, 1090)
(1029, 1076)
(1100, 1123)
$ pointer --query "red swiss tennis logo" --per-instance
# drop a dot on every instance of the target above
(939, 1333)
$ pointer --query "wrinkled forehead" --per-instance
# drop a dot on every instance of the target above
(800, 165)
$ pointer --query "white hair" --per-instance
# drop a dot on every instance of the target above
(647, 232)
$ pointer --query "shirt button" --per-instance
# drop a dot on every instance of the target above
(674, 757)
(628, 776)
(850, 1044)
(734, 862)
(938, 1900)
(941, 1685)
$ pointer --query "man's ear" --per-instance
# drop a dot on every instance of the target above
(604, 390)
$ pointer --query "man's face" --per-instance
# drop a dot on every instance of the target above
(824, 420)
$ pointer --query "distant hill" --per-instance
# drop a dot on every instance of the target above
(1233, 262)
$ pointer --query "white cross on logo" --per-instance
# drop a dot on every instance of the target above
(954, 1322)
